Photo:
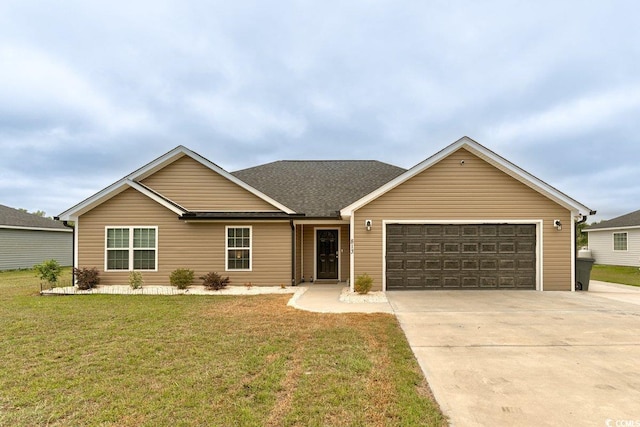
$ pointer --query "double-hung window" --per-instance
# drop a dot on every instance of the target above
(238, 248)
(619, 241)
(131, 248)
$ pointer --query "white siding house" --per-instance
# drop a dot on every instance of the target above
(617, 241)
(27, 239)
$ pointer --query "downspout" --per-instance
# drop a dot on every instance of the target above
(293, 253)
(73, 251)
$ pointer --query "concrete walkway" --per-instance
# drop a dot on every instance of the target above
(327, 299)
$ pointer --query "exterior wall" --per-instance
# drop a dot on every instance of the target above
(473, 191)
(25, 248)
(309, 251)
(198, 188)
(601, 245)
(199, 246)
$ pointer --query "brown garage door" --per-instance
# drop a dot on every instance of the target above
(461, 256)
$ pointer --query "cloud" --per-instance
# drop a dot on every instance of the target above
(580, 116)
(49, 95)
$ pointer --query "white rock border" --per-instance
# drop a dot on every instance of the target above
(172, 290)
(355, 298)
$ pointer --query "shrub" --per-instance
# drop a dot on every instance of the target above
(135, 280)
(181, 278)
(86, 278)
(49, 270)
(363, 283)
(213, 281)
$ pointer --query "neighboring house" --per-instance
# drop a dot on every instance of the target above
(464, 218)
(616, 241)
(27, 239)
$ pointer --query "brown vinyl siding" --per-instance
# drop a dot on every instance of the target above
(198, 188)
(196, 245)
(473, 191)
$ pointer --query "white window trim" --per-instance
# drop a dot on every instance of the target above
(227, 248)
(130, 248)
(613, 241)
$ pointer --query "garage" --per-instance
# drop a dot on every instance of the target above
(460, 256)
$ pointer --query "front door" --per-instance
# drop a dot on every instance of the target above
(327, 254)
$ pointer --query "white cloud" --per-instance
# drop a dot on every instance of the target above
(245, 121)
(580, 116)
(53, 97)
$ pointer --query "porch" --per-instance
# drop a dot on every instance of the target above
(322, 252)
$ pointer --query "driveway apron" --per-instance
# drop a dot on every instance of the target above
(526, 358)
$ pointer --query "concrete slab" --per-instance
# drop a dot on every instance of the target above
(526, 358)
(614, 291)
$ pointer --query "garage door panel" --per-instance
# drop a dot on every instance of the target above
(451, 248)
(470, 282)
(470, 248)
(507, 248)
(466, 256)
(451, 282)
(394, 265)
(432, 248)
(470, 264)
(414, 264)
(395, 248)
(415, 247)
(489, 264)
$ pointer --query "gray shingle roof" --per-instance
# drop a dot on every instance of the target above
(628, 220)
(318, 188)
(16, 218)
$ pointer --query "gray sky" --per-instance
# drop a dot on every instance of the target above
(90, 91)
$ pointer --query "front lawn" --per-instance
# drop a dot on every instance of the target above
(616, 274)
(114, 360)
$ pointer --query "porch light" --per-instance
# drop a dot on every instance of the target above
(557, 224)
(367, 223)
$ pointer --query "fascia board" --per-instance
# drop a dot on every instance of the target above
(420, 167)
(153, 167)
(487, 155)
(156, 198)
(100, 197)
(180, 151)
(111, 191)
(594, 230)
(526, 178)
(21, 227)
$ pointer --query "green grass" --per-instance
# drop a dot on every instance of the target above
(111, 360)
(616, 274)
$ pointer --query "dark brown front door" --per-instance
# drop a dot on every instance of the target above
(327, 254)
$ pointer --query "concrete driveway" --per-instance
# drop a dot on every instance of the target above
(527, 358)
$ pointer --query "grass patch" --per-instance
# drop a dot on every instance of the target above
(114, 360)
(616, 274)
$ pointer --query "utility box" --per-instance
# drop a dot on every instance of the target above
(583, 273)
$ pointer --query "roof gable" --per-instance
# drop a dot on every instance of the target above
(132, 180)
(486, 155)
(629, 220)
